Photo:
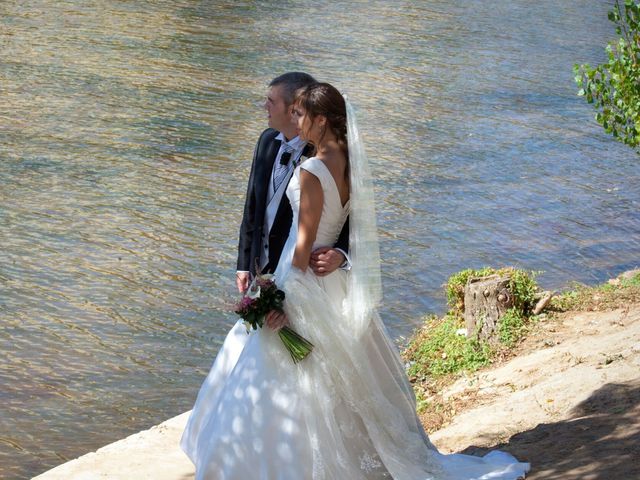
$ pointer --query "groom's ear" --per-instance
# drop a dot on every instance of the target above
(290, 113)
(290, 109)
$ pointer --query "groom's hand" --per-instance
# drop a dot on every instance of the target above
(242, 281)
(325, 260)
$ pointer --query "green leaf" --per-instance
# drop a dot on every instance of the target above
(613, 88)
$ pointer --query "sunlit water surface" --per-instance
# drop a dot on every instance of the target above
(126, 133)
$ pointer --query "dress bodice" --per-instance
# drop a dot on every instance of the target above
(334, 214)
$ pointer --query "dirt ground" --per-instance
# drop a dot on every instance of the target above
(568, 403)
(601, 440)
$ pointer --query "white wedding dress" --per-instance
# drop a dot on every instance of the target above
(347, 411)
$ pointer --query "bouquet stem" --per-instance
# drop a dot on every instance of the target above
(297, 346)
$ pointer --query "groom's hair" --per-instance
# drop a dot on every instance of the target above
(292, 82)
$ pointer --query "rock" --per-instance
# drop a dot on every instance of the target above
(543, 302)
(608, 359)
(629, 274)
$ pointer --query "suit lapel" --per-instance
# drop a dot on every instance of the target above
(266, 165)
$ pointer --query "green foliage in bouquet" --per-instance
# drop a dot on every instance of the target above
(262, 297)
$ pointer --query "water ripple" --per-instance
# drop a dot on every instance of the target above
(126, 133)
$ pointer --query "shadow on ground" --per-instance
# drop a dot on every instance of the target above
(601, 440)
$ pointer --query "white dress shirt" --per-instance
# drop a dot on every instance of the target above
(274, 197)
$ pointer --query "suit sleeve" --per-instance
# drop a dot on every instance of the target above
(343, 239)
(248, 217)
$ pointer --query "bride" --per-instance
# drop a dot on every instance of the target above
(347, 411)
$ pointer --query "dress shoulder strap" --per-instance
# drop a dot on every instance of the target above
(317, 167)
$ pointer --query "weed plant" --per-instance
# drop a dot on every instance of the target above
(440, 348)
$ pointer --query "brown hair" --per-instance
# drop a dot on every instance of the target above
(324, 99)
(292, 82)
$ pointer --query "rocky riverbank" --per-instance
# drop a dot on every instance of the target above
(568, 401)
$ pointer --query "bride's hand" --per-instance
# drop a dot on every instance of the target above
(276, 319)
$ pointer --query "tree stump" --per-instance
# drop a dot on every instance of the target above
(486, 299)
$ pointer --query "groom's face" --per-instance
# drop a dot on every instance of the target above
(278, 112)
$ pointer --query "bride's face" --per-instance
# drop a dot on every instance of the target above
(309, 129)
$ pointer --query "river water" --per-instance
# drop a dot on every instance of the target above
(126, 133)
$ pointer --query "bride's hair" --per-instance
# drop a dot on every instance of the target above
(324, 99)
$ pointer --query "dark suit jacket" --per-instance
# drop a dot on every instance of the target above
(251, 234)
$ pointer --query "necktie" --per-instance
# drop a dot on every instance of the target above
(282, 168)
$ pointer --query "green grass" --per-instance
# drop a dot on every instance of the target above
(512, 327)
(437, 355)
(454, 288)
(604, 296)
(436, 351)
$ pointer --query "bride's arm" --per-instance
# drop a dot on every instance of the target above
(311, 200)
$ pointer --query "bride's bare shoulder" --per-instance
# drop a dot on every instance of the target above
(334, 160)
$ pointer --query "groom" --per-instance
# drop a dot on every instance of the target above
(267, 212)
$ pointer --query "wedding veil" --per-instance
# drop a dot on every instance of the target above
(359, 407)
(364, 287)
(358, 401)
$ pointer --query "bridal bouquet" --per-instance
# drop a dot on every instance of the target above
(263, 296)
